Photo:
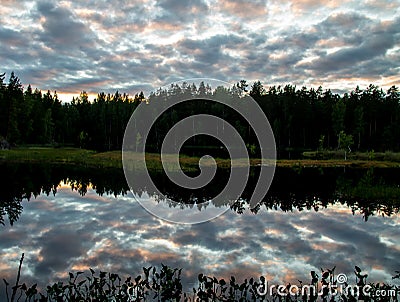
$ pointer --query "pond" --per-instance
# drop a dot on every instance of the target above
(312, 218)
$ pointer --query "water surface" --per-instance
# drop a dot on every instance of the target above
(308, 221)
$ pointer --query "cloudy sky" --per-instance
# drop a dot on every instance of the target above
(144, 44)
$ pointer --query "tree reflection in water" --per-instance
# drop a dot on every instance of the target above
(368, 192)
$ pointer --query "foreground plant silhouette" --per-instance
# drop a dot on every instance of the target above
(165, 284)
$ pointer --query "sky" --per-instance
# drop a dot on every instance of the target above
(70, 232)
(71, 46)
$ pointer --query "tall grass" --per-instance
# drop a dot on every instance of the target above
(165, 284)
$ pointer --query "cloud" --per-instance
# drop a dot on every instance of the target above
(208, 51)
(244, 9)
(380, 5)
(175, 15)
(375, 45)
(301, 6)
(179, 8)
(69, 232)
(350, 46)
(62, 31)
(11, 37)
(9, 239)
(57, 249)
(125, 45)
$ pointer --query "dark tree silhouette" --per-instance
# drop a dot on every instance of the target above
(299, 117)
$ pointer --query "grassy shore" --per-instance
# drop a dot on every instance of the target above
(171, 284)
(112, 159)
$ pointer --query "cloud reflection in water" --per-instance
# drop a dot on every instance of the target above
(68, 232)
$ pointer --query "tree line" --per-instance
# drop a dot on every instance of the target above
(301, 118)
(32, 117)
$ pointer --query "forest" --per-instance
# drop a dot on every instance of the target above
(302, 119)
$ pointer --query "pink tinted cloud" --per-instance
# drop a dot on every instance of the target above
(243, 9)
(301, 6)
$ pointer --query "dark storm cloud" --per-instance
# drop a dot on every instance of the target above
(61, 29)
(375, 45)
(178, 12)
(15, 48)
(356, 245)
(10, 37)
(209, 51)
(58, 249)
(9, 239)
(363, 45)
(178, 6)
(215, 56)
(207, 235)
(351, 27)
(381, 65)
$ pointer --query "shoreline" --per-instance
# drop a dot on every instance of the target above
(113, 159)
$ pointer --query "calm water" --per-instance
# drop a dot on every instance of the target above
(309, 220)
